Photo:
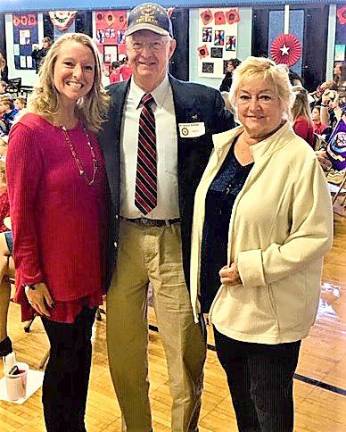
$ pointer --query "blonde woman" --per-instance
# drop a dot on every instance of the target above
(301, 115)
(57, 190)
(262, 223)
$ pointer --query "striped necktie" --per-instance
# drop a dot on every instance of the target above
(146, 173)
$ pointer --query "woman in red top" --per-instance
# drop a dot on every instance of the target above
(301, 114)
(317, 125)
(57, 190)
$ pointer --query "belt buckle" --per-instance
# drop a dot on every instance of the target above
(146, 222)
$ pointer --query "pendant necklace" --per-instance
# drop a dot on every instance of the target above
(78, 162)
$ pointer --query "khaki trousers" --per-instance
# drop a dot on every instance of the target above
(153, 254)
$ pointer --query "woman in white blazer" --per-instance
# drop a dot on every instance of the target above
(262, 223)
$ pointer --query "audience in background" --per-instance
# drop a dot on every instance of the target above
(3, 68)
(115, 75)
(125, 69)
(3, 88)
(317, 125)
(39, 54)
(226, 83)
(8, 113)
(20, 103)
(301, 115)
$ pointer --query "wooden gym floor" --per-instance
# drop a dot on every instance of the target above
(320, 384)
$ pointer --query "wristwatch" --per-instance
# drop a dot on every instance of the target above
(27, 288)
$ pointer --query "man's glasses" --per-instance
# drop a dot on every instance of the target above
(153, 46)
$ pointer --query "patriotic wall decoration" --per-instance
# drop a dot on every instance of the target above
(110, 29)
(286, 49)
(217, 40)
(25, 37)
(62, 20)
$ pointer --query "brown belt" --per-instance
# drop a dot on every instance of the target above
(151, 222)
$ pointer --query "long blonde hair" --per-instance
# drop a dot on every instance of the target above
(44, 100)
(301, 107)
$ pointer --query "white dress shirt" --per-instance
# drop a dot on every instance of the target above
(166, 148)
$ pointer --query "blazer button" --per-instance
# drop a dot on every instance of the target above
(115, 244)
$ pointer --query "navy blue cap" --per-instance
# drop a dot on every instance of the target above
(149, 16)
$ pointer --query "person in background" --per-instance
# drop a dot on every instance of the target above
(58, 198)
(257, 252)
(3, 68)
(156, 142)
(227, 80)
(8, 114)
(20, 103)
(115, 75)
(6, 265)
(295, 79)
(318, 126)
(3, 88)
(125, 69)
(301, 115)
(39, 54)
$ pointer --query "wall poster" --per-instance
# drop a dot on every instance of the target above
(25, 36)
(217, 40)
(109, 32)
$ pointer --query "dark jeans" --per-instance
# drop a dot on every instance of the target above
(66, 378)
(260, 379)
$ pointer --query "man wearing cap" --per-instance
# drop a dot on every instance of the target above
(156, 143)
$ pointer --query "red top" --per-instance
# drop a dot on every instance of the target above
(303, 128)
(4, 210)
(319, 128)
(57, 218)
(125, 71)
(115, 76)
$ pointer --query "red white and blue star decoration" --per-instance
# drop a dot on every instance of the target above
(286, 49)
(341, 14)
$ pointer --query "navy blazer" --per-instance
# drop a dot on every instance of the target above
(193, 103)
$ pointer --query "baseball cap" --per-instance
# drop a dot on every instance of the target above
(149, 16)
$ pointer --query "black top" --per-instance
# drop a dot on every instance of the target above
(218, 209)
(226, 82)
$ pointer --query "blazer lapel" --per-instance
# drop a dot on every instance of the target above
(110, 140)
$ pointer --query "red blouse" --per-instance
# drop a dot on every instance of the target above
(303, 128)
(58, 220)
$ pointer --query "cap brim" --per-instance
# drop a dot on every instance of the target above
(145, 26)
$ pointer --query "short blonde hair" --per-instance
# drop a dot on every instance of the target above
(260, 68)
(92, 108)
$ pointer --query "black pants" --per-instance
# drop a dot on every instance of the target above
(260, 379)
(66, 379)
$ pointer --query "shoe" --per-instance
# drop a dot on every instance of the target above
(5, 347)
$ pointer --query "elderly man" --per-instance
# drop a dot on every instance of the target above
(156, 143)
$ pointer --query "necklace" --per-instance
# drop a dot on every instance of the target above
(78, 162)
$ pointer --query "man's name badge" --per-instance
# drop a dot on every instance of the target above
(191, 130)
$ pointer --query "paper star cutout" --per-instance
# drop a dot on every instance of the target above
(284, 49)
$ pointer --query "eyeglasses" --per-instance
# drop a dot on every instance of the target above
(262, 99)
(153, 46)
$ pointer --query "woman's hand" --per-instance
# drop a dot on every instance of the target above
(39, 298)
(230, 275)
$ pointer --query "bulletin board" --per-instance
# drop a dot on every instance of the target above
(109, 27)
(25, 36)
(217, 40)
